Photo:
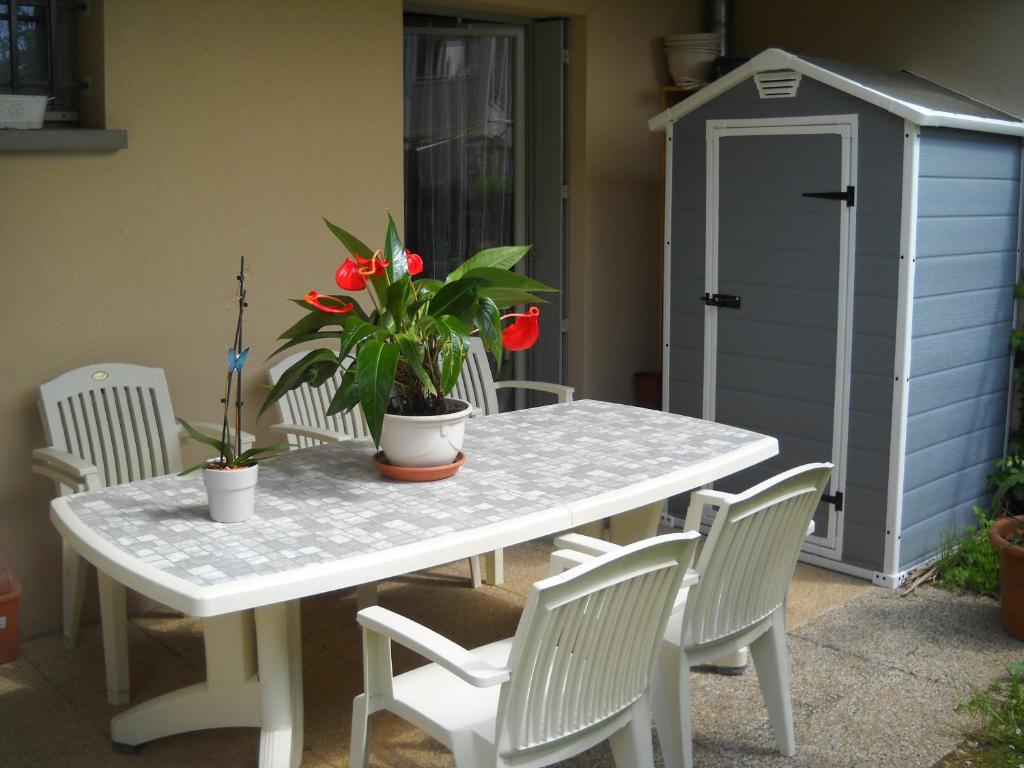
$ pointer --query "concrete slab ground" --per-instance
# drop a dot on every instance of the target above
(876, 678)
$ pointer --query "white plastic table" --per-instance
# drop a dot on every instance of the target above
(325, 520)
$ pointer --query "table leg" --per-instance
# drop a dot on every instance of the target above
(494, 567)
(114, 620)
(280, 664)
(637, 524)
(75, 570)
(230, 696)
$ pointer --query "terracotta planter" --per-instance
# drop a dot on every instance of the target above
(10, 596)
(1011, 572)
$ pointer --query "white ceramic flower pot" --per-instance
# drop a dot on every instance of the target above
(424, 441)
(231, 493)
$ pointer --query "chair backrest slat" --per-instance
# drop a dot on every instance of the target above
(115, 416)
(306, 406)
(476, 383)
(750, 553)
(587, 641)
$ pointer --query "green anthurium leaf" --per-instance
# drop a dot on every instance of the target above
(294, 376)
(488, 322)
(352, 243)
(453, 356)
(302, 339)
(455, 298)
(412, 352)
(347, 396)
(509, 297)
(427, 287)
(398, 298)
(354, 333)
(504, 257)
(502, 278)
(394, 251)
(375, 376)
(335, 317)
(320, 372)
(310, 323)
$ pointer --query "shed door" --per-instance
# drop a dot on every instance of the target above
(778, 363)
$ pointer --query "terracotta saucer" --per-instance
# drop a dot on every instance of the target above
(417, 474)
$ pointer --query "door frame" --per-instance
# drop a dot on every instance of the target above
(827, 544)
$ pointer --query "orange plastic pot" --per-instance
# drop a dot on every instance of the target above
(10, 596)
(1011, 572)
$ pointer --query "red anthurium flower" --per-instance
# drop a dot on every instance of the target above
(317, 300)
(373, 266)
(415, 262)
(523, 333)
(348, 278)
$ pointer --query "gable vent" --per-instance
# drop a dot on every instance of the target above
(777, 85)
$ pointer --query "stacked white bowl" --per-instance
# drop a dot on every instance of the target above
(691, 57)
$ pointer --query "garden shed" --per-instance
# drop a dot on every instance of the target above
(841, 250)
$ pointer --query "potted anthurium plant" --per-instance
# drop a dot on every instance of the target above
(230, 478)
(400, 360)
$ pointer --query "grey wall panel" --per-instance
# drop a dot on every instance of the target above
(942, 424)
(879, 183)
(966, 234)
(921, 541)
(964, 272)
(965, 154)
(940, 351)
(960, 385)
(864, 545)
(939, 196)
(950, 456)
(942, 494)
(950, 312)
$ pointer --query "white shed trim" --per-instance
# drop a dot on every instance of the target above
(776, 59)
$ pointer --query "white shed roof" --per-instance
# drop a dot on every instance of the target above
(911, 97)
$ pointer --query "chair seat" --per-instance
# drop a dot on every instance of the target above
(439, 702)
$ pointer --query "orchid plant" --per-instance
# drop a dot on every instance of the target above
(405, 355)
(229, 445)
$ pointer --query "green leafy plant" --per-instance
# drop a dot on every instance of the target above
(405, 356)
(232, 456)
(1007, 480)
(1000, 709)
(969, 561)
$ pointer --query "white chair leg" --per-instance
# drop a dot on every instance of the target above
(771, 660)
(631, 745)
(75, 569)
(114, 618)
(359, 747)
(670, 696)
(474, 571)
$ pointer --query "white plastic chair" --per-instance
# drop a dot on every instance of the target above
(476, 384)
(576, 672)
(303, 420)
(745, 568)
(106, 424)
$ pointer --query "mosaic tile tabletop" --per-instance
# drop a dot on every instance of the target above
(328, 503)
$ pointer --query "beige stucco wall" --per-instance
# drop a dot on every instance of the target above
(245, 126)
(970, 46)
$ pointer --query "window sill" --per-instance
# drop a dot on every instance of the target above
(63, 140)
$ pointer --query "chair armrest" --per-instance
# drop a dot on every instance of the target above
(698, 499)
(587, 545)
(65, 468)
(563, 392)
(565, 559)
(313, 433)
(212, 429)
(433, 646)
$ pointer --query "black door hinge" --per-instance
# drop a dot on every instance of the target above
(849, 195)
(836, 500)
(721, 300)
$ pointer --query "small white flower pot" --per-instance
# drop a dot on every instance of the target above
(231, 493)
(424, 441)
